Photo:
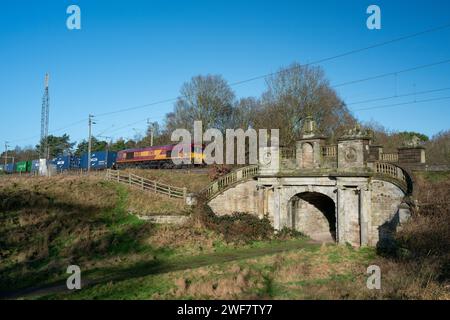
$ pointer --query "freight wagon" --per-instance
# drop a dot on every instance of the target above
(35, 165)
(9, 168)
(75, 162)
(61, 163)
(23, 166)
(149, 157)
(99, 160)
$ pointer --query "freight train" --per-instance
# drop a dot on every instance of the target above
(157, 157)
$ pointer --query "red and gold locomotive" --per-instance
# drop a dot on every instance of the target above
(158, 157)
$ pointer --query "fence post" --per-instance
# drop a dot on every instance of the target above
(129, 179)
(142, 182)
(154, 183)
(169, 192)
(184, 193)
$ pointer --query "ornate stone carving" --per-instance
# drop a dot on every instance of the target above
(350, 154)
(267, 158)
(413, 142)
(309, 128)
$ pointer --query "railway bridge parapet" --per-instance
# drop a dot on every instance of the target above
(345, 192)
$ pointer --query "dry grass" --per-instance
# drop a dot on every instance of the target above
(420, 267)
(302, 274)
(305, 275)
(83, 191)
(147, 203)
(230, 283)
(194, 182)
(186, 239)
(47, 223)
(68, 190)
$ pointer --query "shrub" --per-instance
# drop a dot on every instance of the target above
(217, 171)
(287, 233)
(426, 237)
(238, 227)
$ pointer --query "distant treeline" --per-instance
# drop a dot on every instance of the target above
(290, 95)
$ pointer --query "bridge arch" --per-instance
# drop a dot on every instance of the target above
(314, 214)
(361, 202)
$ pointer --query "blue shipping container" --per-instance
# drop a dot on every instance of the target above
(62, 163)
(9, 168)
(74, 162)
(34, 165)
(99, 160)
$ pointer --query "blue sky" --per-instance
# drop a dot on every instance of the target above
(131, 53)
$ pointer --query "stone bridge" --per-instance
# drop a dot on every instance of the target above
(349, 192)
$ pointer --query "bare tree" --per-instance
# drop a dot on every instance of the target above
(245, 113)
(205, 98)
(438, 148)
(296, 92)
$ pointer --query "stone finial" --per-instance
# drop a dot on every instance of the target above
(358, 132)
(371, 134)
(413, 142)
(309, 128)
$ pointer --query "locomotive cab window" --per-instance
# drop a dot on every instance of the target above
(130, 155)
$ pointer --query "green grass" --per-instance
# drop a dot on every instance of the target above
(194, 182)
(157, 279)
(115, 278)
(434, 176)
(119, 234)
(117, 260)
(107, 242)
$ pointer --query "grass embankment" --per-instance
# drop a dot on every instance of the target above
(47, 224)
(147, 203)
(419, 265)
(293, 269)
(191, 179)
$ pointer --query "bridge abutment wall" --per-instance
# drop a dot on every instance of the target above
(365, 209)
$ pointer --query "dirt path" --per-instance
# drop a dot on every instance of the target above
(154, 267)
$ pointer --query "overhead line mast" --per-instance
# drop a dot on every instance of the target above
(44, 120)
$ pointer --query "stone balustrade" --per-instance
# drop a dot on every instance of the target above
(392, 171)
(389, 157)
(329, 151)
(229, 179)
